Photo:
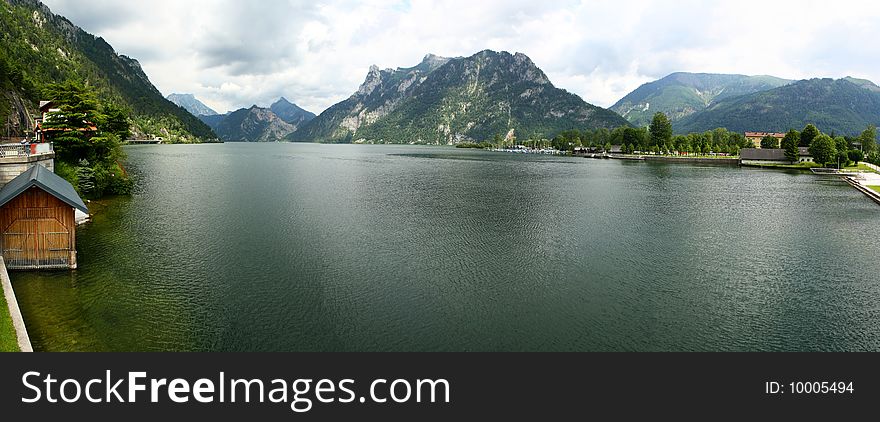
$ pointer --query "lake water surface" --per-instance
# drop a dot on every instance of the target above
(265, 247)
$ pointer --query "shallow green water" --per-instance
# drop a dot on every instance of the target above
(320, 247)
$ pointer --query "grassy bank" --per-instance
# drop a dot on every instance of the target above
(860, 167)
(8, 339)
(876, 188)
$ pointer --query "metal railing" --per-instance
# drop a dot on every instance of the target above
(25, 150)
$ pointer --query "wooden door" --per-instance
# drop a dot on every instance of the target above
(36, 242)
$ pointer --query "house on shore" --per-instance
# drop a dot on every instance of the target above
(756, 137)
(37, 221)
(758, 156)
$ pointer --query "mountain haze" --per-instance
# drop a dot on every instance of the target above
(447, 101)
(682, 94)
(191, 104)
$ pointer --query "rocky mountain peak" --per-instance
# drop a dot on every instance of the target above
(445, 101)
(373, 79)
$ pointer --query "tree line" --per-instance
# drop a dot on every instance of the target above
(658, 138)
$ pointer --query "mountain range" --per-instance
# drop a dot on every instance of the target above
(451, 100)
(39, 48)
(447, 101)
(697, 102)
(681, 94)
(254, 124)
(844, 106)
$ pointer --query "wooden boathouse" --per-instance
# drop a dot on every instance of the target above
(37, 221)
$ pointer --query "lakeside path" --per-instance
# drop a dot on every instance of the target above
(869, 179)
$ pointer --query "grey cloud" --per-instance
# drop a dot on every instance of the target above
(95, 16)
(254, 38)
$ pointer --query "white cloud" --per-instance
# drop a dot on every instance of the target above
(233, 54)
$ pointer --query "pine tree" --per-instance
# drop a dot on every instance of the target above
(85, 176)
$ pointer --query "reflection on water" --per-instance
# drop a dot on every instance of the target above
(328, 247)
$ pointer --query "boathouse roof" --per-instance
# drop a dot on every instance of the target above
(46, 180)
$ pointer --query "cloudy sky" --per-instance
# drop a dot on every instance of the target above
(234, 53)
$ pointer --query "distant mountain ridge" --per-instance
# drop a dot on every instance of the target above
(451, 100)
(191, 104)
(253, 124)
(683, 94)
(844, 106)
(40, 48)
(259, 124)
(290, 112)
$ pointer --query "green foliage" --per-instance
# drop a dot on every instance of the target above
(824, 150)
(809, 133)
(85, 177)
(868, 139)
(769, 142)
(790, 145)
(87, 158)
(8, 337)
(67, 172)
(116, 121)
(856, 156)
(842, 147)
(661, 129)
(71, 128)
(110, 179)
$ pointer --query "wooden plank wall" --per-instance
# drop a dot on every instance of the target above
(37, 211)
